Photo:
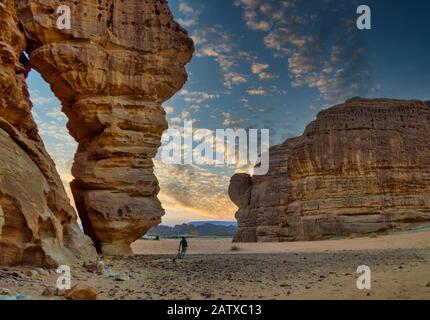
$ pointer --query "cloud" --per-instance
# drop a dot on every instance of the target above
(39, 100)
(323, 48)
(266, 76)
(260, 91)
(187, 22)
(214, 42)
(260, 25)
(233, 78)
(259, 69)
(195, 189)
(186, 8)
(250, 15)
(175, 120)
(231, 121)
(52, 130)
(169, 109)
(208, 52)
(59, 144)
(198, 96)
(191, 14)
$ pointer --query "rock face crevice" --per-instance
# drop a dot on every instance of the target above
(38, 226)
(112, 71)
(361, 167)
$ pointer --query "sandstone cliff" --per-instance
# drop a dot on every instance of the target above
(361, 167)
(38, 226)
(112, 70)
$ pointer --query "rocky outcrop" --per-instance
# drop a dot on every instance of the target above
(361, 167)
(112, 71)
(81, 292)
(38, 226)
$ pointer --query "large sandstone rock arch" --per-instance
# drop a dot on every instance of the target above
(112, 70)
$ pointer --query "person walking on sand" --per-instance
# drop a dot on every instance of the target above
(183, 245)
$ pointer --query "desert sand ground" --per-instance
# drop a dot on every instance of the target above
(406, 240)
(400, 266)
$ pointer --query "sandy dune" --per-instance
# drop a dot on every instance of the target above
(410, 240)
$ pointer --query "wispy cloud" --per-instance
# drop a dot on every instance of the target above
(251, 17)
(231, 121)
(198, 96)
(195, 189)
(323, 48)
(38, 100)
(214, 42)
(260, 91)
(190, 14)
(260, 69)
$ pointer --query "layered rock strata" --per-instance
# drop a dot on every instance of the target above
(112, 71)
(38, 226)
(361, 167)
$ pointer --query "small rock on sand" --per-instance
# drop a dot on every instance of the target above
(49, 291)
(32, 273)
(82, 292)
(98, 267)
(5, 292)
(122, 277)
(41, 271)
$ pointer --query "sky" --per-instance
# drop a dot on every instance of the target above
(267, 64)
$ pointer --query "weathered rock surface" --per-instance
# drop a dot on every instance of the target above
(82, 292)
(361, 167)
(38, 226)
(112, 71)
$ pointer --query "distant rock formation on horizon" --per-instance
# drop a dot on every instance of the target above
(200, 229)
(361, 167)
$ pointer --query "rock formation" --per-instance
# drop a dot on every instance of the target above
(112, 71)
(361, 167)
(38, 226)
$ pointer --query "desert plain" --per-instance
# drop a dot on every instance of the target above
(217, 269)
